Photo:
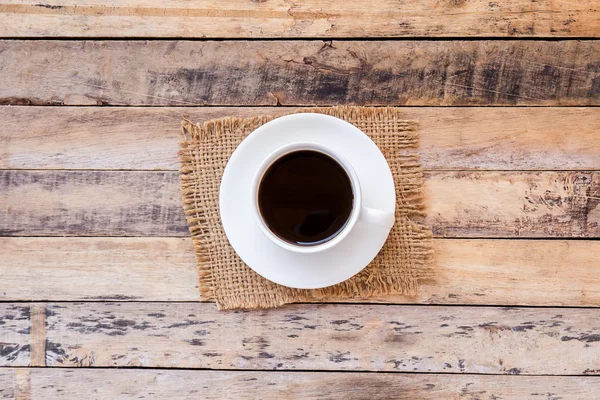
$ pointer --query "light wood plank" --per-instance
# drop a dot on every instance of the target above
(15, 332)
(147, 138)
(144, 203)
(22, 384)
(300, 72)
(92, 268)
(37, 331)
(513, 204)
(309, 18)
(100, 383)
(7, 383)
(539, 341)
(467, 271)
(91, 203)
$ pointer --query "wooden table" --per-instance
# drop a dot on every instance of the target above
(97, 275)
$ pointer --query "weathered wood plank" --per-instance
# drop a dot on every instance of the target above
(300, 72)
(146, 203)
(7, 383)
(57, 203)
(49, 383)
(309, 18)
(15, 332)
(147, 138)
(467, 271)
(93, 268)
(509, 204)
(540, 341)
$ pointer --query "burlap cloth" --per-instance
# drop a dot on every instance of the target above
(405, 258)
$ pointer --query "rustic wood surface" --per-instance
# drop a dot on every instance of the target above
(15, 332)
(100, 383)
(315, 72)
(310, 18)
(467, 271)
(326, 337)
(97, 273)
(147, 203)
(563, 138)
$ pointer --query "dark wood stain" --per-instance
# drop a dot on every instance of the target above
(587, 338)
(51, 7)
(196, 342)
(340, 357)
(514, 371)
(311, 73)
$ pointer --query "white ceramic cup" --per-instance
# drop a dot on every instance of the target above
(359, 213)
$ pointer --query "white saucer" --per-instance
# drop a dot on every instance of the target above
(305, 270)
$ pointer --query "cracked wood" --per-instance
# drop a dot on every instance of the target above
(145, 203)
(186, 73)
(147, 138)
(309, 18)
(484, 340)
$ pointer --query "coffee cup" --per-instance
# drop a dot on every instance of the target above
(307, 198)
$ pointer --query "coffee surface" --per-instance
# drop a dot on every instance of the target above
(305, 198)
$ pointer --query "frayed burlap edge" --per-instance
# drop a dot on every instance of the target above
(383, 277)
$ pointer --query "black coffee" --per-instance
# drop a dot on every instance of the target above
(305, 198)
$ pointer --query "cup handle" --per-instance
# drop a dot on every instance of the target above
(377, 217)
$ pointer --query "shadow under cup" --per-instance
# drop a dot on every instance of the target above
(305, 197)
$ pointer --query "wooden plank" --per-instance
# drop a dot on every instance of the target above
(509, 204)
(22, 384)
(14, 334)
(37, 331)
(146, 203)
(57, 203)
(7, 383)
(147, 138)
(467, 271)
(92, 268)
(300, 72)
(310, 18)
(104, 383)
(326, 337)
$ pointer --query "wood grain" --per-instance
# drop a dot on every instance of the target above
(93, 268)
(239, 73)
(7, 383)
(134, 138)
(311, 18)
(14, 334)
(37, 335)
(101, 383)
(509, 204)
(91, 203)
(22, 384)
(326, 337)
(144, 203)
(467, 271)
